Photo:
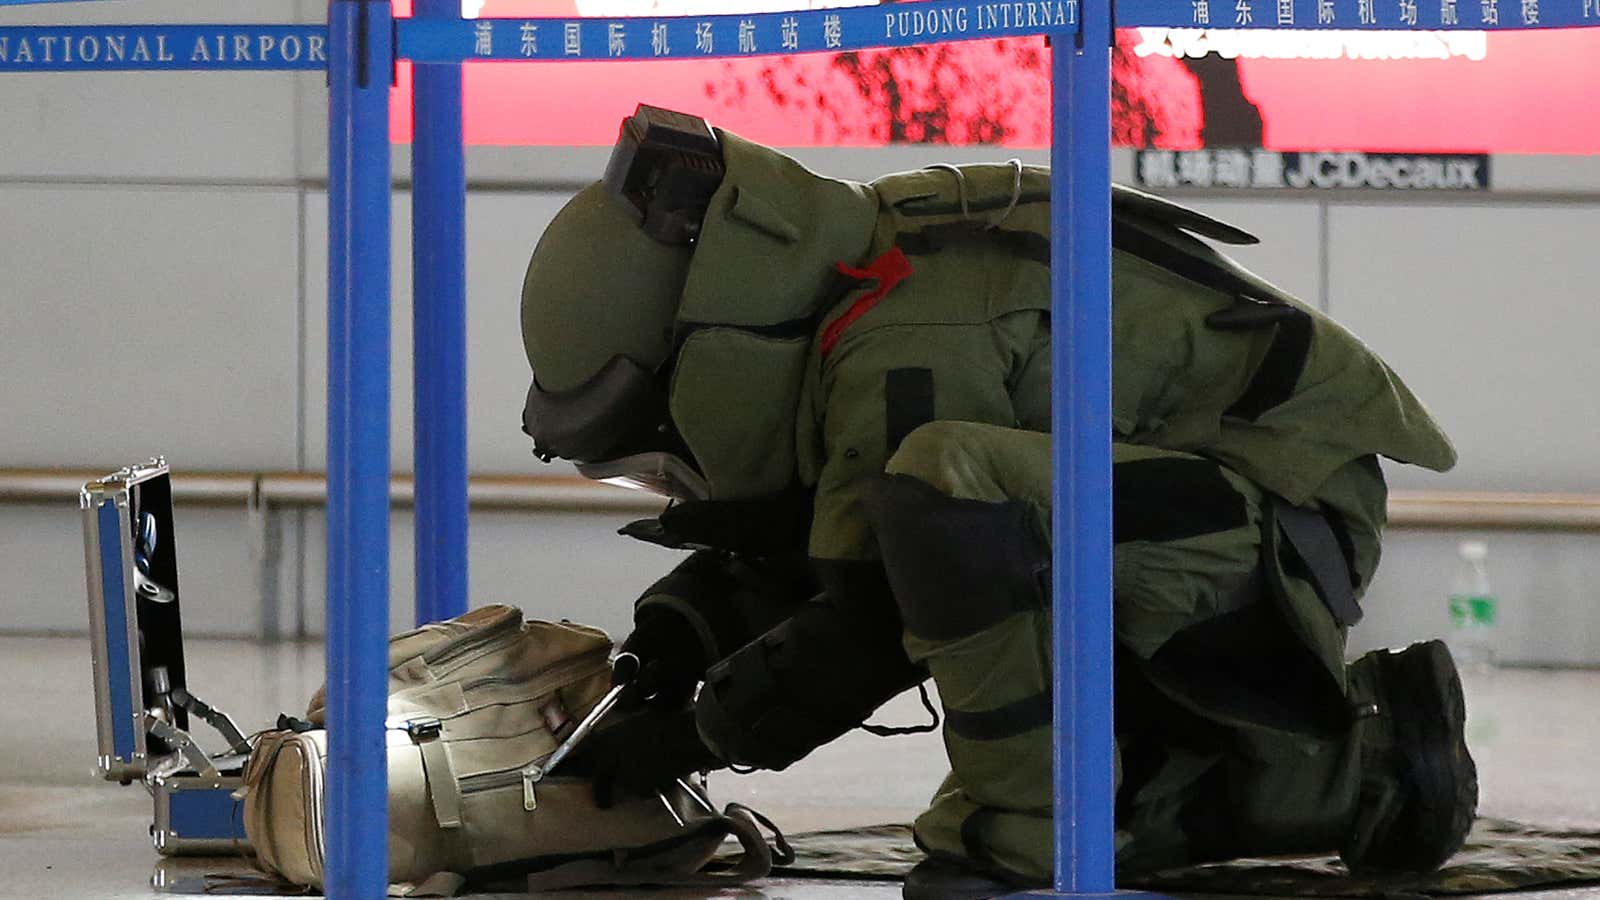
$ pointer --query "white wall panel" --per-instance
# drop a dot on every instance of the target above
(501, 232)
(1489, 314)
(150, 125)
(143, 320)
(42, 586)
(1290, 252)
(1548, 586)
(553, 566)
(42, 571)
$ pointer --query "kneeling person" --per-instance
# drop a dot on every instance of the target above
(845, 387)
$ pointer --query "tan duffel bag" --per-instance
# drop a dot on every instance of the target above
(475, 705)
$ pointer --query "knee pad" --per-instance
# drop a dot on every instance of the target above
(802, 684)
(977, 461)
(955, 566)
(937, 453)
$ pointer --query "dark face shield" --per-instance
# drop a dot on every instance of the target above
(616, 428)
(615, 425)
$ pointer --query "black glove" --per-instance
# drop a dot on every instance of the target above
(774, 525)
(641, 754)
(672, 659)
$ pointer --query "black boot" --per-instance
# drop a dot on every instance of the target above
(1420, 788)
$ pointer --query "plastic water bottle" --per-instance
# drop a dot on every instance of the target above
(1473, 611)
(1474, 614)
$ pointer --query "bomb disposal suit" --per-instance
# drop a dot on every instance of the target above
(846, 387)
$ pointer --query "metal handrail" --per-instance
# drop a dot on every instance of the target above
(1495, 511)
(310, 489)
(1407, 509)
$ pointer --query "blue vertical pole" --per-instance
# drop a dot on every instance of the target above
(1080, 238)
(438, 254)
(360, 54)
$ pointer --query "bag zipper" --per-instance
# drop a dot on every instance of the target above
(595, 658)
(313, 787)
(451, 652)
(492, 781)
(557, 673)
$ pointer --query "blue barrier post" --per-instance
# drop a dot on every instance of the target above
(360, 62)
(439, 337)
(1080, 239)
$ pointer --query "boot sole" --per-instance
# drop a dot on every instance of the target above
(1430, 714)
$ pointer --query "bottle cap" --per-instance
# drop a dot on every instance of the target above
(1474, 550)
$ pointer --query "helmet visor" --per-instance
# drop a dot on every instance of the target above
(616, 428)
(622, 409)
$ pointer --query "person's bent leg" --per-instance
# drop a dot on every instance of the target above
(1221, 709)
(961, 519)
(1232, 740)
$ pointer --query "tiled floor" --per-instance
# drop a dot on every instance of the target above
(65, 835)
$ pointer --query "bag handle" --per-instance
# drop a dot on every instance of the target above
(637, 868)
(756, 856)
(779, 853)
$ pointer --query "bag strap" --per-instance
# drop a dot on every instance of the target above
(444, 789)
(780, 852)
(439, 884)
(681, 863)
(1313, 539)
(268, 885)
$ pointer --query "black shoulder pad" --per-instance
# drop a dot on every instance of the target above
(1127, 201)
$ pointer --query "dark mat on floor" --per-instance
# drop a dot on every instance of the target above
(1500, 855)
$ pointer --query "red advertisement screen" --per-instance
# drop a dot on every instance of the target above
(1521, 92)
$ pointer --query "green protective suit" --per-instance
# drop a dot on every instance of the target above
(923, 363)
(972, 318)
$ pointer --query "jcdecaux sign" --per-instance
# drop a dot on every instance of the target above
(1230, 168)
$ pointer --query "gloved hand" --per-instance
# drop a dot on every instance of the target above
(671, 659)
(640, 754)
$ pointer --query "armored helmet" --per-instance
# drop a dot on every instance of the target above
(667, 309)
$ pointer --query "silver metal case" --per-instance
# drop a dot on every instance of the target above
(198, 816)
(119, 675)
(142, 702)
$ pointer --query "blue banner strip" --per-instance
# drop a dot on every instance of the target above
(900, 25)
(1362, 15)
(720, 37)
(76, 48)
(36, 48)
